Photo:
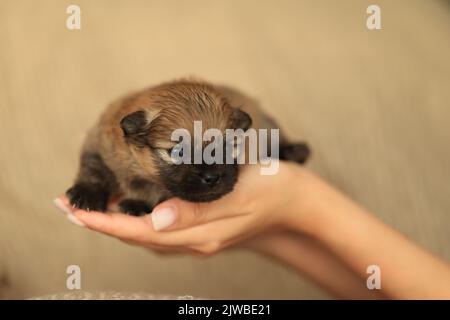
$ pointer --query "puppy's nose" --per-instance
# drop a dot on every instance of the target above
(210, 178)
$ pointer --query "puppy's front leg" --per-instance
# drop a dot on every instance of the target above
(141, 195)
(94, 184)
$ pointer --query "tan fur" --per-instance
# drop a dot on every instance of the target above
(166, 106)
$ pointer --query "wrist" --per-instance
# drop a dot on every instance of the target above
(309, 198)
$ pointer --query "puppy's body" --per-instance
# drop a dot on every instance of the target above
(128, 151)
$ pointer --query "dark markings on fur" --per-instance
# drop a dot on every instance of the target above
(185, 180)
(241, 119)
(134, 127)
(297, 152)
(140, 183)
(95, 183)
(135, 207)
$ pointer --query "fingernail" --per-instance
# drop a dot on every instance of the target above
(75, 220)
(69, 215)
(163, 218)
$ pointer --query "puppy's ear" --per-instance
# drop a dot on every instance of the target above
(135, 127)
(240, 119)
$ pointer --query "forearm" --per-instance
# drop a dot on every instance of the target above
(360, 240)
(311, 259)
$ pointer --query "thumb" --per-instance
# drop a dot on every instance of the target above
(174, 214)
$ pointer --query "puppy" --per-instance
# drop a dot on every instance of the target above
(128, 152)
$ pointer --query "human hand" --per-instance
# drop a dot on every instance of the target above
(257, 203)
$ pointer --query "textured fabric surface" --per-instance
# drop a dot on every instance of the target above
(109, 295)
(374, 105)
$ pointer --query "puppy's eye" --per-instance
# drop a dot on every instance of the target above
(176, 150)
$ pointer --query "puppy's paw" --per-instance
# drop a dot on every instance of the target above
(297, 152)
(135, 207)
(88, 197)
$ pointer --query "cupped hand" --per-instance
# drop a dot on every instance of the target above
(257, 203)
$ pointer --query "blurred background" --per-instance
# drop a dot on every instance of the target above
(374, 106)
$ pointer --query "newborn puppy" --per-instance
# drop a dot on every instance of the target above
(128, 153)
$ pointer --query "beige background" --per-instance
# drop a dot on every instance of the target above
(374, 105)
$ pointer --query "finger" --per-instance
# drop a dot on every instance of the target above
(173, 214)
(140, 229)
(133, 230)
(160, 250)
(115, 224)
(118, 225)
(176, 214)
(219, 231)
(62, 204)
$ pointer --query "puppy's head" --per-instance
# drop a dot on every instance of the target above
(148, 133)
